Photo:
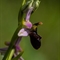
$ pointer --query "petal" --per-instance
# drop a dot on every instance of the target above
(28, 14)
(22, 32)
(28, 24)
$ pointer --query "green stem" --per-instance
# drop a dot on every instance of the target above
(15, 36)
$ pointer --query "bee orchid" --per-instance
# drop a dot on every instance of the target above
(35, 39)
(25, 28)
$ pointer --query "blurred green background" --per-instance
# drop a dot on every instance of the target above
(48, 13)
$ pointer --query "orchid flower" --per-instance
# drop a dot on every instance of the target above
(29, 29)
(35, 39)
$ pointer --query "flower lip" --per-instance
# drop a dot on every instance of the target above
(35, 40)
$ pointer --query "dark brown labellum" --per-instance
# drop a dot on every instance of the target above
(35, 40)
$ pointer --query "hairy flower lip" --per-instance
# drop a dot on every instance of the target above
(35, 40)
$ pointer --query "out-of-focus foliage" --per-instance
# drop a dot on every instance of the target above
(48, 13)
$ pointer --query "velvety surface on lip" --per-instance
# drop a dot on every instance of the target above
(35, 40)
